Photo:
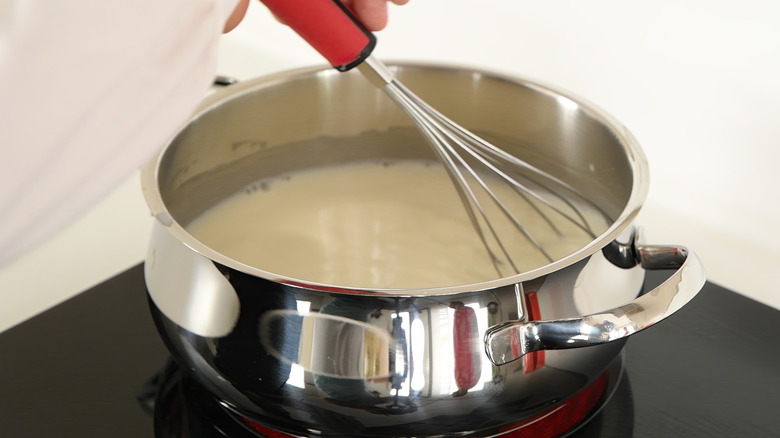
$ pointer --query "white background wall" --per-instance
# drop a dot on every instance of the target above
(697, 82)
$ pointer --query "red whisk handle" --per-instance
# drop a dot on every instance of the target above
(329, 27)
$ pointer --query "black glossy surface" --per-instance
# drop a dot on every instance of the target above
(712, 370)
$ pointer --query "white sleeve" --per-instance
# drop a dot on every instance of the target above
(90, 89)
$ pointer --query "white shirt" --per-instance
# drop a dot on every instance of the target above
(89, 90)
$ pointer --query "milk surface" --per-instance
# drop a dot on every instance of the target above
(377, 224)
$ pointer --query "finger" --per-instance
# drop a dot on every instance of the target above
(236, 16)
(372, 13)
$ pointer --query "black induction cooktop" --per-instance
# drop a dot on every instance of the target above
(84, 369)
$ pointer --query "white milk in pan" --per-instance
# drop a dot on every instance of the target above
(377, 224)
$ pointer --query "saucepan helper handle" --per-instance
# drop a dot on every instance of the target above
(510, 341)
(329, 27)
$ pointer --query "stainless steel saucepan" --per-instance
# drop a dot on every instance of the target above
(314, 359)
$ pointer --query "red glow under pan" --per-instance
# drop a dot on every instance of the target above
(549, 424)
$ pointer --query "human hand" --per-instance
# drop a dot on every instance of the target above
(372, 13)
(236, 16)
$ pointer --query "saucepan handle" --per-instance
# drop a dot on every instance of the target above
(510, 341)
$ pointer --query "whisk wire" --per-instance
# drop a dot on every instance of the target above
(464, 146)
(539, 189)
(475, 145)
(447, 155)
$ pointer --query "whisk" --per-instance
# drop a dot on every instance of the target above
(470, 161)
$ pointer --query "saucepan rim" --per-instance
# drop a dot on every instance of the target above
(636, 160)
